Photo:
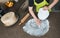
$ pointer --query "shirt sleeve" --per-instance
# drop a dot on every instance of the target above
(48, 1)
(31, 3)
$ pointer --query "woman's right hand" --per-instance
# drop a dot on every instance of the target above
(37, 21)
(34, 16)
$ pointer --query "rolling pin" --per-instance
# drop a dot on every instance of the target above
(24, 18)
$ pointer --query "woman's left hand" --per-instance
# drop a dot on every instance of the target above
(46, 8)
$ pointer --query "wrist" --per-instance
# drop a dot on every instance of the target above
(49, 7)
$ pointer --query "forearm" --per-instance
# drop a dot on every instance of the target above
(53, 4)
(32, 12)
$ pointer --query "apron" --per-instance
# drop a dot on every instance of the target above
(40, 5)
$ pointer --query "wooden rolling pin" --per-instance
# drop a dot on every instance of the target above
(24, 18)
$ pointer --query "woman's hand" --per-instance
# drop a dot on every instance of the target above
(46, 8)
(34, 16)
(51, 5)
(37, 21)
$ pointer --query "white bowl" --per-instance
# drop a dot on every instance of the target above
(43, 14)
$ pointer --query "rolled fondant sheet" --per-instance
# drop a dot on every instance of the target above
(36, 30)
